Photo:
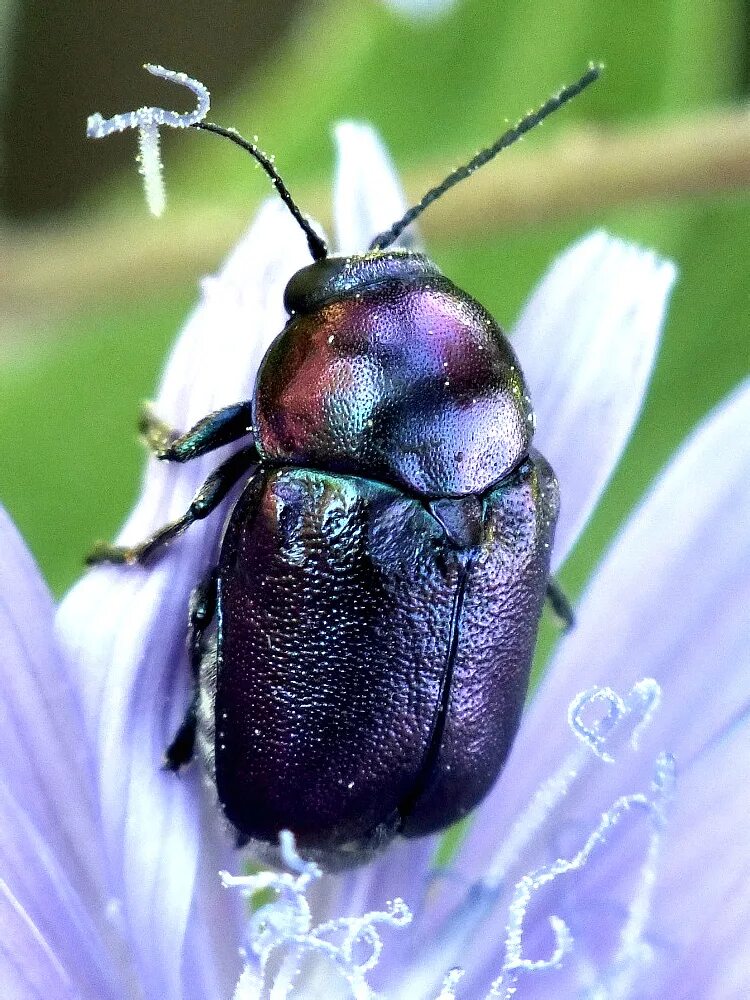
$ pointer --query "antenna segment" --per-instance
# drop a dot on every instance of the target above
(317, 245)
(526, 124)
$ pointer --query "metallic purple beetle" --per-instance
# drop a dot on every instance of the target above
(362, 647)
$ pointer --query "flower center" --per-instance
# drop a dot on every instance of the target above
(284, 949)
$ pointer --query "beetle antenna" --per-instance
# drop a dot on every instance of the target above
(317, 245)
(526, 124)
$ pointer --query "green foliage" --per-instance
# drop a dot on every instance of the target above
(68, 453)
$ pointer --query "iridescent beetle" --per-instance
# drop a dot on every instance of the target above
(362, 647)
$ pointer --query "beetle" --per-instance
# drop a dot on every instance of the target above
(361, 649)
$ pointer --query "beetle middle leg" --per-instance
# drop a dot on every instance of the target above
(560, 604)
(218, 428)
(202, 610)
(206, 500)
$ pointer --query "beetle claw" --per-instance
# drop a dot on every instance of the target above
(156, 434)
(117, 555)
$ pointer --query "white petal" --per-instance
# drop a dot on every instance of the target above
(125, 629)
(586, 340)
(368, 197)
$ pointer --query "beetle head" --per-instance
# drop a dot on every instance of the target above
(338, 277)
(385, 368)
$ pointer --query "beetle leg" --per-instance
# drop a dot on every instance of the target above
(202, 609)
(207, 499)
(180, 750)
(201, 614)
(560, 604)
(218, 428)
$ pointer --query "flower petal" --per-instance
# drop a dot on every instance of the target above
(670, 602)
(586, 340)
(125, 629)
(54, 938)
(368, 197)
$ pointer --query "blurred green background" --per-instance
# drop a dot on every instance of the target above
(72, 375)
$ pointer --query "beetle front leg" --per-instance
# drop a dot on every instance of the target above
(206, 500)
(217, 429)
(202, 609)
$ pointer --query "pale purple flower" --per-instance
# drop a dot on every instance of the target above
(109, 884)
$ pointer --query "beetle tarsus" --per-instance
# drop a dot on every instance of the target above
(103, 552)
(560, 604)
(134, 555)
(157, 435)
(213, 431)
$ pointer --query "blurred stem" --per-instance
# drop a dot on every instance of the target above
(581, 172)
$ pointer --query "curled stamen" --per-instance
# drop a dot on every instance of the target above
(643, 700)
(637, 708)
(148, 121)
(625, 719)
(451, 981)
(291, 860)
(632, 950)
(595, 734)
(98, 127)
(284, 926)
(634, 953)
